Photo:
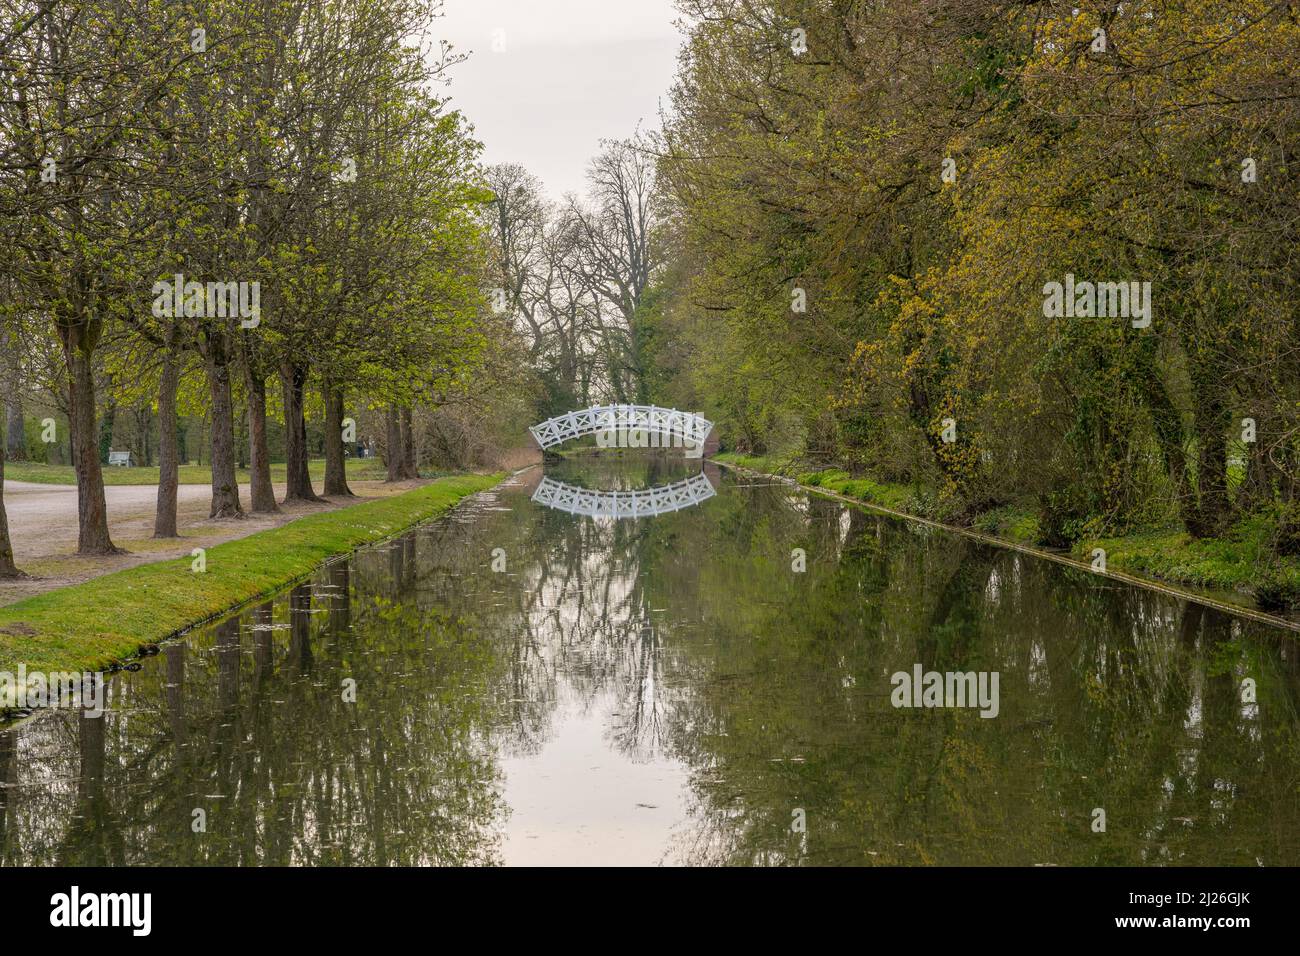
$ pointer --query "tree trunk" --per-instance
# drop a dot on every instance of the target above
(16, 437)
(106, 422)
(243, 439)
(409, 469)
(1215, 509)
(7, 567)
(259, 458)
(164, 522)
(1207, 512)
(92, 510)
(297, 479)
(336, 476)
(1256, 490)
(392, 445)
(140, 446)
(225, 484)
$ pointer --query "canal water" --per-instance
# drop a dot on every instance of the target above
(518, 684)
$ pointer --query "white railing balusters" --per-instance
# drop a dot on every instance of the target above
(624, 504)
(689, 427)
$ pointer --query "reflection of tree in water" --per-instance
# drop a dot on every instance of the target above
(573, 614)
(8, 778)
(1110, 696)
(248, 723)
(572, 619)
(771, 686)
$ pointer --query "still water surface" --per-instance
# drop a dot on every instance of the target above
(667, 690)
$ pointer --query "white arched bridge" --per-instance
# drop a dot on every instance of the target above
(628, 426)
(624, 504)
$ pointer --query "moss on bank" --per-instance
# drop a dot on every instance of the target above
(767, 464)
(93, 625)
(1240, 560)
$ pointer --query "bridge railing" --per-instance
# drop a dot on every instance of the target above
(689, 426)
(642, 503)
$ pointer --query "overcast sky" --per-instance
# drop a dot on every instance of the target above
(571, 73)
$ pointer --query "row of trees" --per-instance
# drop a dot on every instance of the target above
(575, 275)
(872, 198)
(287, 166)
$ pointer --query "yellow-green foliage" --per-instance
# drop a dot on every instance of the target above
(918, 191)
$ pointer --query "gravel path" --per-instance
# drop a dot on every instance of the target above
(43, 528)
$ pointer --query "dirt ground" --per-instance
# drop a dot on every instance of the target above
(43, 528)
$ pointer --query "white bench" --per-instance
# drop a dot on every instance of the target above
(120, 459)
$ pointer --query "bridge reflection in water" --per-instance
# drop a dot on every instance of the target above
(642, 503)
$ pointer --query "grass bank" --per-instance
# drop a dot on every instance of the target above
(1239, 560)
(93, 625)
(1238, 563)
(358, 469)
